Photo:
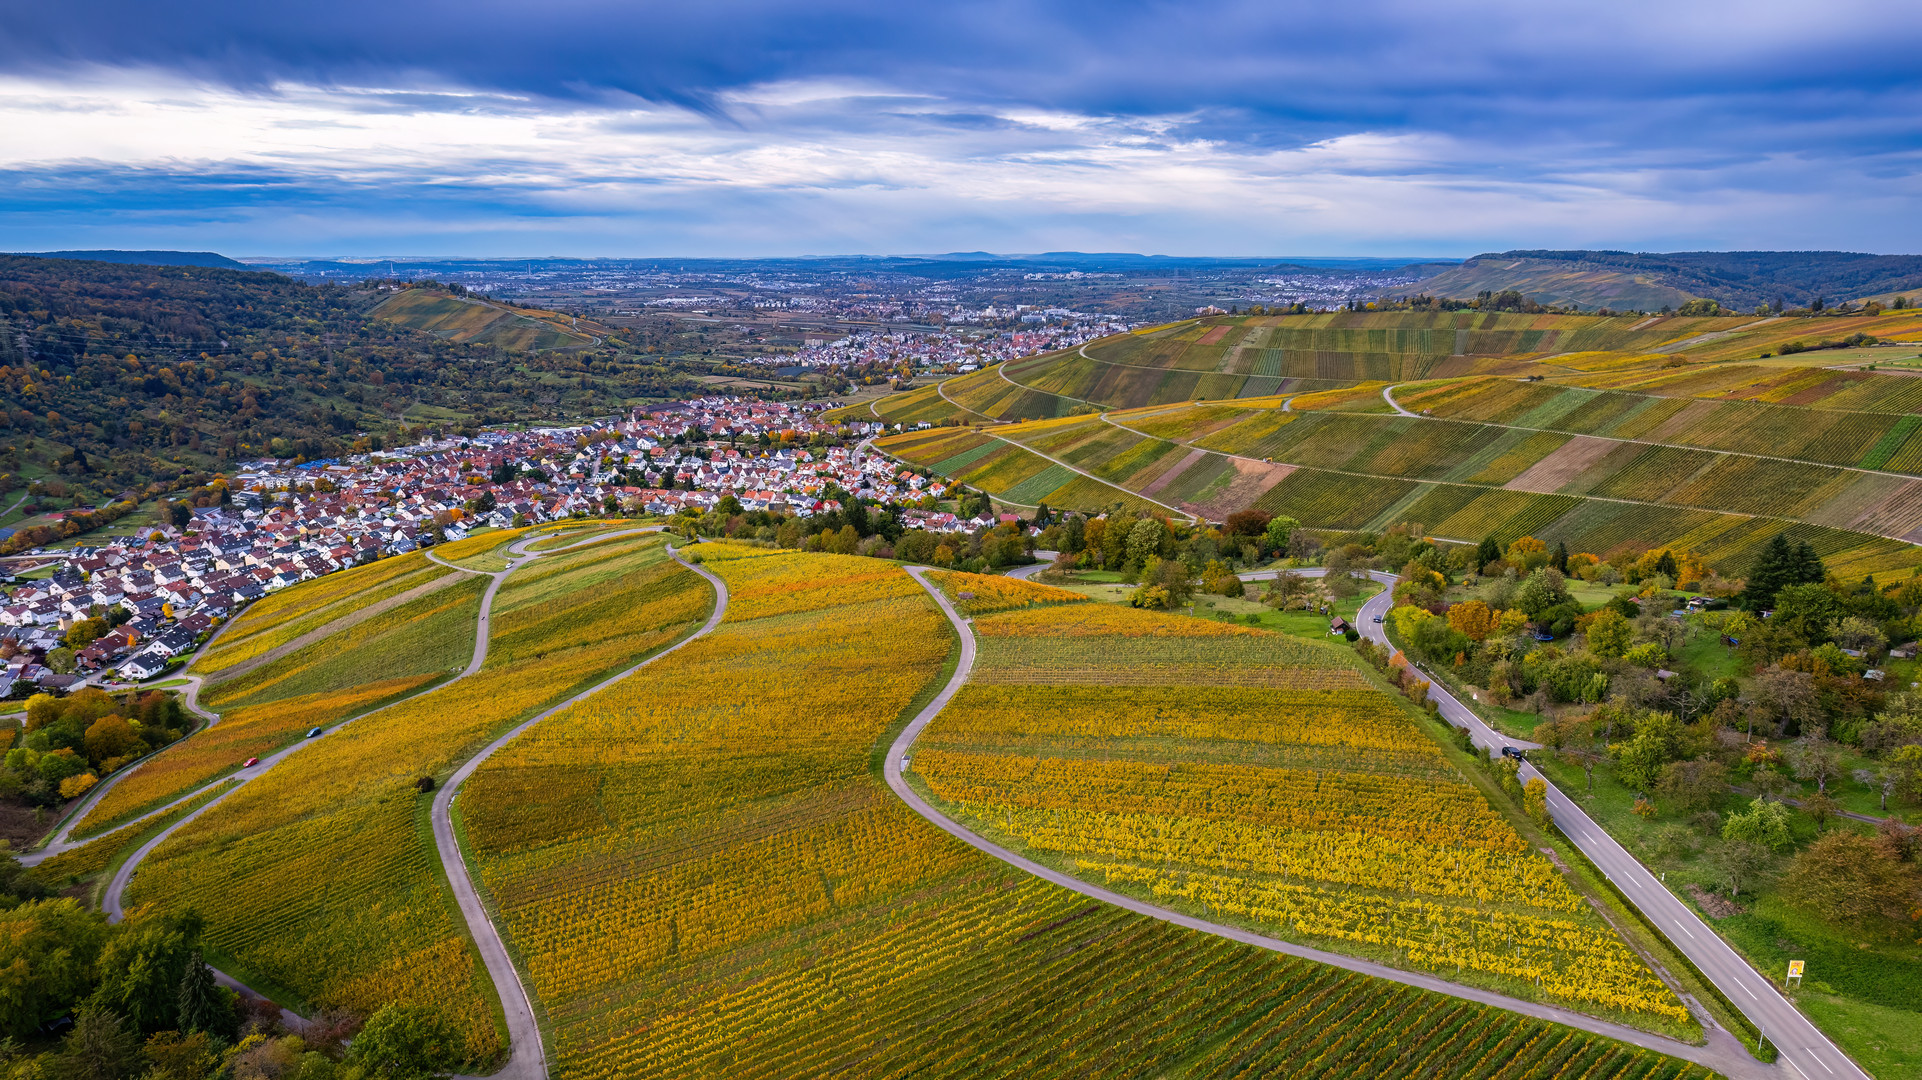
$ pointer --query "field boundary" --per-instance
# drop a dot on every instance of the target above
(1709, 1055)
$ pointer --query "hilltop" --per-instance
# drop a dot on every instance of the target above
(146, 258)
(453, 315)
(1622, 281)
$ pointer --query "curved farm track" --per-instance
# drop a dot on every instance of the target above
(1722, 1052)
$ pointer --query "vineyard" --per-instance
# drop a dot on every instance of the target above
(986, 594)
(277, 619)
(1823, 436)
(244, 732)
(700, 876)
(1310, 808)
(431, 635)
(1007, 469)
(317, 879)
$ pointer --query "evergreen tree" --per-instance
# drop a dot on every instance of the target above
(202, 1006)
(1487, 552)
(1666, 565)
(1560, 559)
(100, 1047)
(1780, 565)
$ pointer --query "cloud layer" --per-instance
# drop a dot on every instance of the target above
(739, 128)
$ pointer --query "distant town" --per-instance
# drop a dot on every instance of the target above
(142, 601)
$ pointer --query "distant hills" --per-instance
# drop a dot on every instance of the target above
(1625, 280)
(147, 258)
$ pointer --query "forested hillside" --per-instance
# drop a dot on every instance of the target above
(116, 376)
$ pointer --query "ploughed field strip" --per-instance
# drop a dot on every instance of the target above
(319, 880)
(700, 874)
(1306, 805)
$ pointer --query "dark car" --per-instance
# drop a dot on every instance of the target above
(313, 733)
(1510, 751)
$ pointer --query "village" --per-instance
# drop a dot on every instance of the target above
(132, 607)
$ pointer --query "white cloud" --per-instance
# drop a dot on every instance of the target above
(845, 165)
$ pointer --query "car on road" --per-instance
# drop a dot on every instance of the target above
(313, 733)
(1378, 618)
(1514, 752)
(250, 763)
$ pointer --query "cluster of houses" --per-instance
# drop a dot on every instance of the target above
(163, 591)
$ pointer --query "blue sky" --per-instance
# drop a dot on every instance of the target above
(737, 127)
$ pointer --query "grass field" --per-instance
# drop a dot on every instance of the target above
(700, 875)
(320, 880)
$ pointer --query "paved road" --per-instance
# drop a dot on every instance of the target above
(1722, 1053)
(1802, 1045)
(1025, 572)
(1388, 395)
(111, 900)
(527, 1056)
(329, 629)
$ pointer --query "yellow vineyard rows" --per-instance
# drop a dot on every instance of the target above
(701, 878)
(242, 733)
(1342, 858)
(1349, 719)
(991, 593)
(1565, 958)
(1321, 813)
(1389, 807)
(320, 874)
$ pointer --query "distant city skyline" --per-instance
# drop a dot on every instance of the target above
(778, 129)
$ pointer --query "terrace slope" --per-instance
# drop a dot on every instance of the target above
(701, 875)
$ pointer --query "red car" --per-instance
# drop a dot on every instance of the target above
(250, 763)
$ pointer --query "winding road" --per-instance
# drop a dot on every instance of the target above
(112, 898)
(527, 1057)
(1721, 1052)
(1801, 1044)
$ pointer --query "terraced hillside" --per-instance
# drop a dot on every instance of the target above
(1713, 455)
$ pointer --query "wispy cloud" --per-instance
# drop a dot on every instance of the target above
(769, 128)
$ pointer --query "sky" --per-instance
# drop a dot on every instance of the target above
(747, 127)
